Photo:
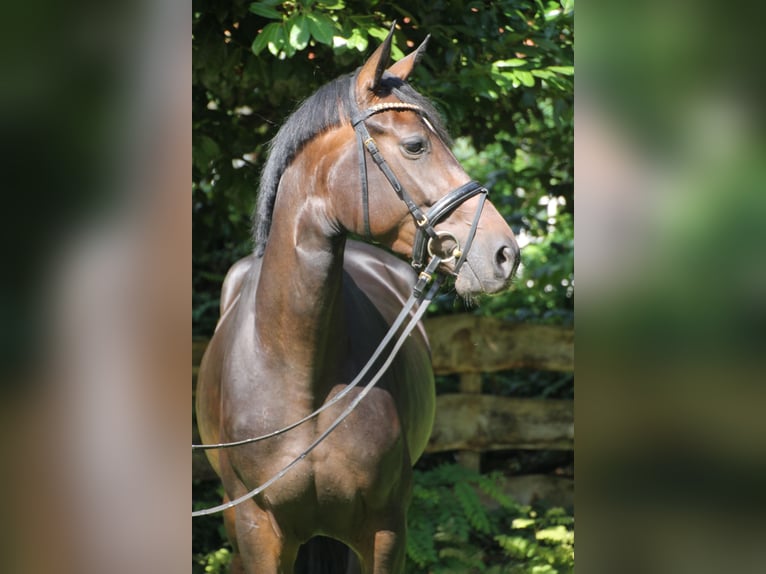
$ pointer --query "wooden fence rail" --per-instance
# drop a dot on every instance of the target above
(473, 422)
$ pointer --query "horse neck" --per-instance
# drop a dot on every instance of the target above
(299, 310)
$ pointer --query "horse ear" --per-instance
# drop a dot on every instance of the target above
(404, 67)
(369, 75)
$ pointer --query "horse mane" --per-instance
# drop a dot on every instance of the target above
(327, 108)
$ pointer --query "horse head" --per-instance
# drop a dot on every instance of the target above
(402, 130)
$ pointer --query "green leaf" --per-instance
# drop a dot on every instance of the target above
(357, 40)
(266, 37)
(378, 33)
(381, 34)
(512, 63)
(274, 39)
(522, 523)
(322, 27)
(266, 10)
(525, 78)
(329, 5)
(282, 45)
(544, 74)
(298, 34)
(259, 43)
(565, 70)
(558, 533)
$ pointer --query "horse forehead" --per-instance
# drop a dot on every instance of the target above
(400, 120)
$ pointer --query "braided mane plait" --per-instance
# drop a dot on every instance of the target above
(377, 108)
(386, 106)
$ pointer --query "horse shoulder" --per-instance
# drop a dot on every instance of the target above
(210, 375)
(232, 283)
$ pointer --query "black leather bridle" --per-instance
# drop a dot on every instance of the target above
(428, 240)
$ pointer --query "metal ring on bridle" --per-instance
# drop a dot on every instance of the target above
(440, 235)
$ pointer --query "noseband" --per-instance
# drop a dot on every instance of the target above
(428, 244)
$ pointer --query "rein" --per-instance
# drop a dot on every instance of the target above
(426, 245)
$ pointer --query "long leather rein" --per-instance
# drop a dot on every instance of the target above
(427, 245)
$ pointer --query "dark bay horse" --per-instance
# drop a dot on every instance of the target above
(301, 316)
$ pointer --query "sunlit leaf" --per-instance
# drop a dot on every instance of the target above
(357, 40)
(329, 5)
(556, 533)
(266, 10)
(299, 34)
(278, 40)
(267, 36)
(322, 27)
(512, 63)
(525, 78)
(566, 70)
(522, 523)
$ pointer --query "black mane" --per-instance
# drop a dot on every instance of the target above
(327, 108)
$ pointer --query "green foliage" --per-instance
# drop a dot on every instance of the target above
(544, 287)
(543, 290)
(217, 561)
(452, 530)
(539, 544)
(302, 24)
(211, 551)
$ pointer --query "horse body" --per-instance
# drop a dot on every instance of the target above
(363, 467)
(301, 317)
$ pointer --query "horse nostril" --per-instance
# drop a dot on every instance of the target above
(502, 256)
(505, 261)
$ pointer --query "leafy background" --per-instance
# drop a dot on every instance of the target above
(502, 75)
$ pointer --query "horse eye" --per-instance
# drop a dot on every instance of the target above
(414, 146)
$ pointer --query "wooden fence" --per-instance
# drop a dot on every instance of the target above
(471, 422)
